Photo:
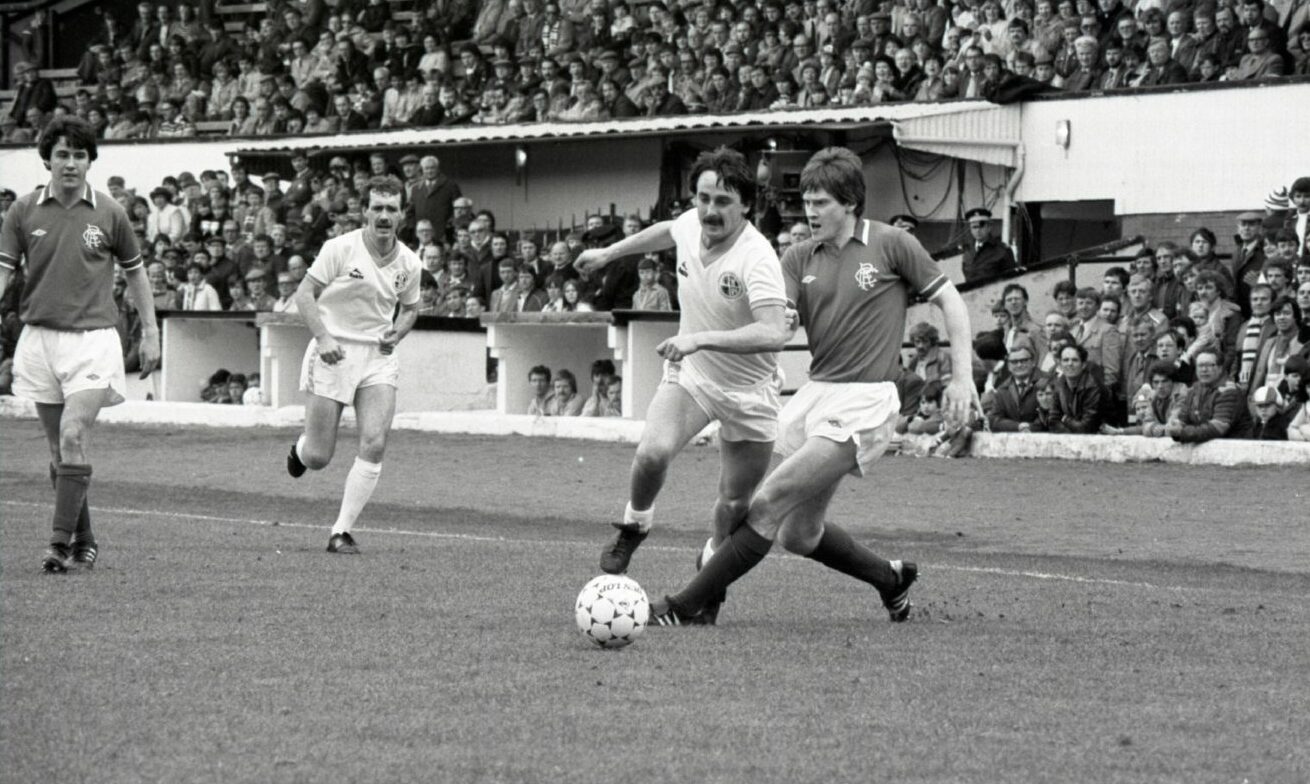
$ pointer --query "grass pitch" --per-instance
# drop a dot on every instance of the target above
(1083, 623)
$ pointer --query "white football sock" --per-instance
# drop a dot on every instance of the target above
(361, 480)
(640, 519)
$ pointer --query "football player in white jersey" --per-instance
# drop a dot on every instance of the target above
(347, 300)
(723, 363)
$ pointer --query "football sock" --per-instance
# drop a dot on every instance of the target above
(360, 482)
(837, 550)
(639, 520)
(82, 532)
(735, 557)
(71, 481)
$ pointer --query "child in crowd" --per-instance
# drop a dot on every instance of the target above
(650, 295)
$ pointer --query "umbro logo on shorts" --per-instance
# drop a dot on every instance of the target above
(834, 423)
(356, 274)
(92, 377)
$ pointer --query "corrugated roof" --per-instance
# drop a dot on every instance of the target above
(970, 113)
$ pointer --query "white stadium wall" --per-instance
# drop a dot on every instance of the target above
(143, 166)
(1183, 152)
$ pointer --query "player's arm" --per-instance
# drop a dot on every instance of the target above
(403, 324)
(768, 332)
(960, 395)
(306, 299)
(138, 289)
(649, 240)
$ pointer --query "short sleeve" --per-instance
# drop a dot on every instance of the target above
(126, 248)
(410, 295)
(793, 265)
(914, 265)
(764, 282)
(327, 266)
(686, 231)
(11, 247)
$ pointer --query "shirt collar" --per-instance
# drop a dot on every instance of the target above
(863, 228)
(88, 195)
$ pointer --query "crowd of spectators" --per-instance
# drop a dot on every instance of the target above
(304, 66)
(1186, 344)
(556, 394)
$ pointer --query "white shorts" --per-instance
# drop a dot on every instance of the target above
(51, 364)
(363, 366)
(743, 413)
(865, 413)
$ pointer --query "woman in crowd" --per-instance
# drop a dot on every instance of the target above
(1288, 341)
(573, 300)
(243, 124)
(554, 295)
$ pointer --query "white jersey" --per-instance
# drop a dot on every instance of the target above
(359, 296)
(720, 297)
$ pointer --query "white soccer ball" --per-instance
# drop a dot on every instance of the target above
(612, 610)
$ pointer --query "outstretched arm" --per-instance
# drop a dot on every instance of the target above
(649, 240)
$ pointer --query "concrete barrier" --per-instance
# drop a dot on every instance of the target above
(1108, 449)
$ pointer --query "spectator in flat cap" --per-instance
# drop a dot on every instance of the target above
(985, 256)
(1249, 256)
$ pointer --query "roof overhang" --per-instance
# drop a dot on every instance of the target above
(975, 130)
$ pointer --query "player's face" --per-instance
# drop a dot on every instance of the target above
(825, 214)
(383, 215)
(720, 210)
(68, 166)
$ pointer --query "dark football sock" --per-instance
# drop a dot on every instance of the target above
(71, 482)
(735, 557)
(837, 550)
(82, 532)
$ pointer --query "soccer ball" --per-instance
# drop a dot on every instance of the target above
(612, 610)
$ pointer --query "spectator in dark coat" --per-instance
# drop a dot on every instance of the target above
(1079, 397)
(33, 91)
(1213, 408)
(1013, 406)
(434, 195)
(985, 257)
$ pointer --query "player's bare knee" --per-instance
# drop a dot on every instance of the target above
(371, 448)
(734, 508)
(653, 458)
(316, 459)
(72, 441)
(797, 539)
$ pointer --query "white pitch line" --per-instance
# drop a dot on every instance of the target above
(573, 543)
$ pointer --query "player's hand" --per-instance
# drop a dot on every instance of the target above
(792, 321)
(330, 351)
(387, 343)
(677, 347)
(960, 400)
(149, 354)
(591, 260)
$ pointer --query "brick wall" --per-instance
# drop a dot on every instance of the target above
(1178, 227)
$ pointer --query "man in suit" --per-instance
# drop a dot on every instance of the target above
(1012, 408)
(986, 256)
(433, 196)
(1260, 62)
(1162, 69)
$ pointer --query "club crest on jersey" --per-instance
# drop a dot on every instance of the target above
(401, 277)
(730, 286)
(355, 273)
(866, 276)
(93, 238)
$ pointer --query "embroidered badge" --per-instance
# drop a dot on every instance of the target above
(93, 238)
(730, 286)
(401, 278)
(866, 276)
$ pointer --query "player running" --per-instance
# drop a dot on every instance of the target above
(347, 300)
(723, 363)
(852, 282)
(69, 359)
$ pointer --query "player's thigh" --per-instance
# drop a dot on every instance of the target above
(672, 420)
(742, 466)
(375, 407)
(49, 415)
(79, 416)
(322, 421)
(805, 475)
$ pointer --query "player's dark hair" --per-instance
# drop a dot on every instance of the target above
(839, 172)
(76, 133)
(385, 186)
(733, 172)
